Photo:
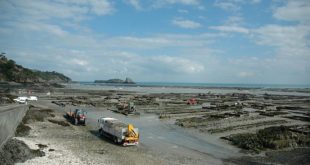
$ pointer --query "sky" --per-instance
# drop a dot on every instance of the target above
(202, 41)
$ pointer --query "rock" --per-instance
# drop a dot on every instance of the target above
(116, 81)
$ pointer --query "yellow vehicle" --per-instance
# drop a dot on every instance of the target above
(119, 132)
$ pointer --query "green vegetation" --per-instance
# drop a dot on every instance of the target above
(10, 71)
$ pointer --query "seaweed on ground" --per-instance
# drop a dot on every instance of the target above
(16, 151)
(34, 114)
(276, 137)
(59, 122)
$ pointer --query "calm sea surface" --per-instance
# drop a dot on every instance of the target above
(203, 85)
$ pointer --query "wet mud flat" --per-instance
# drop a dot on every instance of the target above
(226, 117)
(49, 138)
(259, 124)
(266, 124)
(47, 134)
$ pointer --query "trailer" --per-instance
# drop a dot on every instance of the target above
(126, 108)
(119, 132)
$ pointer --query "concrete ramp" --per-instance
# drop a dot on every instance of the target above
(10, 117)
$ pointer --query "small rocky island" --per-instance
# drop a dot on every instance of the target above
(116, 81)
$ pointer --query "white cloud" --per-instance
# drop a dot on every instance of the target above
(294, 10)
(184, 2)
(44, 10)
(52, 29)
(157, 4)
(89, 56)
(101, 7)
(183, 11)
(201, 7)
(236, 29)
(79, 62)
(135, 3)
(273, 70)
(244, 74)
(165, 3)
(160, 41)
(256, 1)
(176, 64)
(233, 25)
(229, 6)
(187, 24)
(234, 5)
(234, 20)
(289, 40)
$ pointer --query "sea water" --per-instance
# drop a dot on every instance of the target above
(198, 85)
(160, 87)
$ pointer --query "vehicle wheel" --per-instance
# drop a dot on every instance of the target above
(100, 132)
(115, 140)
(76, 122)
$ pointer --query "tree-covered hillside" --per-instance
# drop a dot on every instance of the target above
(12, 72)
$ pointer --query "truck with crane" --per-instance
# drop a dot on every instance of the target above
(119, 132)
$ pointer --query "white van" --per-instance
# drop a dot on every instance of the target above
(32, 98)
(21, 100)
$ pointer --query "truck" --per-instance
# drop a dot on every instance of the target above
(78, 116)
(119, 132)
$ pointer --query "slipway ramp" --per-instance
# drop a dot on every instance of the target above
(10, 117)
